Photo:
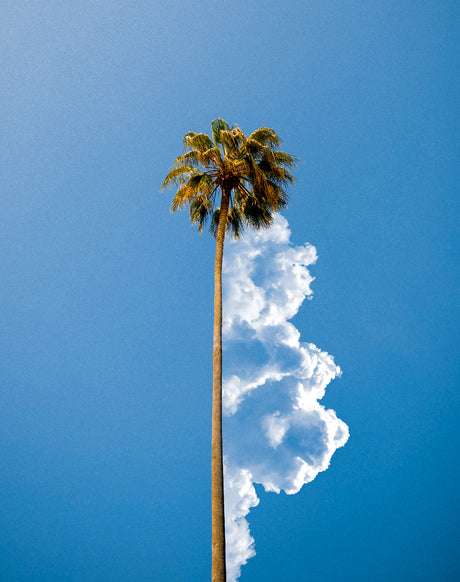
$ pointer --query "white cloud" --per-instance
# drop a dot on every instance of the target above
(276, 432)
(240, 496)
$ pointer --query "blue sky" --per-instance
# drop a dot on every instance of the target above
(106, 298)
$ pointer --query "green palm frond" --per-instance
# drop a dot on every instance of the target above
(200, 211)
(258, 214)
(198, 141)
(190, 158)
(231, 139)
(183, 196)
(265, 136)
(211, 157)
(217, 126)
(202, 184)
(285, 159)
(177, 176)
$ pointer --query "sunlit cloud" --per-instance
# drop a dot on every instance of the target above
(276, 432)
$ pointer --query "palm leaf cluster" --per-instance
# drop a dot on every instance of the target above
(251, 171)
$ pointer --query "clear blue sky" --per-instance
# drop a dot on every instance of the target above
(106, 299)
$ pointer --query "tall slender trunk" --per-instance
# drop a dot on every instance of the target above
(217, 465)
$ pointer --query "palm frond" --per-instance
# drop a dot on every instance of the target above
(182, 197)
(217, 126)
(231, 139)
(177, 176)
(200, 211)
(211, 157)
(190, 158)
(259, 214)
(265, 136)
(285, 159)
(198, 141)
(201, 182)
(197, 185)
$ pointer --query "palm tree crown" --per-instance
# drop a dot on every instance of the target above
(251, 171)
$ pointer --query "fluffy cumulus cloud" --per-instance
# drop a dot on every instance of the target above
(276, 432)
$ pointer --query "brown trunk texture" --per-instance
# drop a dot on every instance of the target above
(217, 465)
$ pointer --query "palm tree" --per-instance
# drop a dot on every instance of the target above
(250, 174)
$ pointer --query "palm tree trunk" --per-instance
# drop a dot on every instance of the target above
(217, 466)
